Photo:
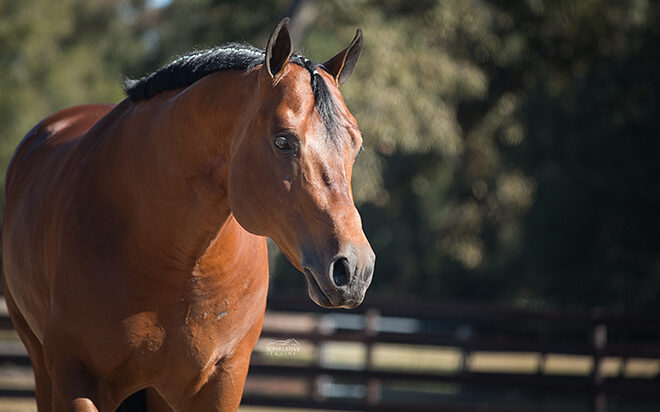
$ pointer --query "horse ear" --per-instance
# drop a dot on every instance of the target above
(279, 48)
(341, 66)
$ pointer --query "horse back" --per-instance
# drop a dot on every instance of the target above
(64, 126)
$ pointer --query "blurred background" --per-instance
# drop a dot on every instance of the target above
(509, 183)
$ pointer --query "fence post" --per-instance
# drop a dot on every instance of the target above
(599, 341)
(324, 328)
(371, 321)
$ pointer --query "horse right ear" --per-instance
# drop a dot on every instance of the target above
(279, 48)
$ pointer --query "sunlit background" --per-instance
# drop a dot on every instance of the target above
(512, 161)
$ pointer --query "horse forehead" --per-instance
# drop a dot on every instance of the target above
(297, 107)
(295, 88)
(294, 109)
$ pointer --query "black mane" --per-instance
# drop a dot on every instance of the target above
(191, 67)
(187, 69)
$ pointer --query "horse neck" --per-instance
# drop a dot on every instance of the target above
(172, 161)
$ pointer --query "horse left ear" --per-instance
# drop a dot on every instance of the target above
(279, 48)
(341, 66)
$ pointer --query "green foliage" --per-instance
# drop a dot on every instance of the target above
(511, 146)
(58, 54)
(477, 115)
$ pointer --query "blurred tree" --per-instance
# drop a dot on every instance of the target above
(593, 150)
(511, 146)
(495, 129)
(198, 24)
(59, 54)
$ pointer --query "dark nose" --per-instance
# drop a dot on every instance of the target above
(350, 273)
(343, 281)
(340, 271)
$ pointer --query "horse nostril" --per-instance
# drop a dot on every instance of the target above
(340, 272)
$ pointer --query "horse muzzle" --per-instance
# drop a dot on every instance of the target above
(342, 281)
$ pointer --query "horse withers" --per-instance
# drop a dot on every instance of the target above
(134, 243)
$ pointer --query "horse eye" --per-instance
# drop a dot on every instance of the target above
(359, 151)
(286, 143)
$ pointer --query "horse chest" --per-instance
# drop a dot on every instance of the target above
(208, 327)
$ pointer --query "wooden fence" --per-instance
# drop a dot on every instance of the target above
(609, 361)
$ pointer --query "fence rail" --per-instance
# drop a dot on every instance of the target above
(468, 330)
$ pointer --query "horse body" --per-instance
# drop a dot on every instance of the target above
(127, 256)
(119, 272)
(55, 135)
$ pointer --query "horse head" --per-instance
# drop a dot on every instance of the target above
(291, 165)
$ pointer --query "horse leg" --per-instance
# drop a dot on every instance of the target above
(74, 387)
(43, 386)
(224, 389)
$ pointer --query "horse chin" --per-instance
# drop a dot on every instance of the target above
(315, 293)
(319, 298)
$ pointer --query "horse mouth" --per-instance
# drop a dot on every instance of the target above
(324, 300)
(315, 292)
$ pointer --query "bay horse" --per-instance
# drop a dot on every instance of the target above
(134, 236)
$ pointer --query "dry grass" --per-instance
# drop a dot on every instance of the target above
(419, 358)
(413, 358)
(17, 405)
(28, 405)
(271, 409)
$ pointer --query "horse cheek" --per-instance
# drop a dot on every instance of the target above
(246, 198)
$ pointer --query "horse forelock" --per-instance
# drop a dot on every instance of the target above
(325, 103)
